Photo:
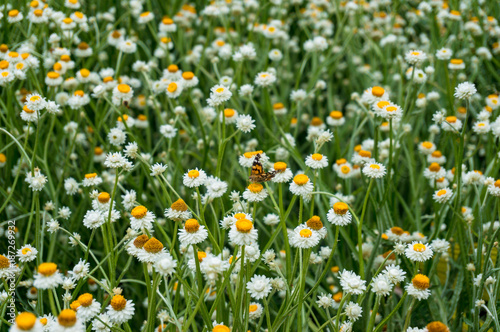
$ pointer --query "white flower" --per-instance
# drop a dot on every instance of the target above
(302, 186)
(352, 283)
(465, 90)
(324, 301)
(419, 287)
(317, 161)
(374, 170)
(381, 285)
(47, 277)
(35, 102)
(353, 311)
(165, 265)
(101, 323)
(158, 169)
(255, 192)
(93, 219)
(440, 246)
(418, 252)
(218, 95)
(265, 79)
(27, 253)
(117, 137)
(168, 131)
(215, 187)
(304, 237)
(243, 232)
(245, 123)
(120, 310)
(115, 160)
(80, 270)
(259, 287)
(394, 273)
(414, 57)
(442, 195)
(192, 233)
(194, 178)
(339, 214)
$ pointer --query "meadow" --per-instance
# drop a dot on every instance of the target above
(249, 165)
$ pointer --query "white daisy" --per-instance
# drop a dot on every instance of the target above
(192, 233)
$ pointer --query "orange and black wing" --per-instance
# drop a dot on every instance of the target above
(257, 168)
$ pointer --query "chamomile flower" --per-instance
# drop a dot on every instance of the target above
(120, 310)
(122, 93)
(339, 214)
(141, 218)
(218, 95)
(150, 251)
(418, 252)
(303, 237)
(27, 253)
(178, 211)
(26, 322)
(194, 178)
(465, 90)
(192, 233)
(374, 170)
(419, 287)
(89, 307)
(317, 161)
(442, 195)
(47, 276)
(302, 186)
(91, 179)
(255, 310)
(243, 232)
(382, 285)
(164, 264)
(353, 311)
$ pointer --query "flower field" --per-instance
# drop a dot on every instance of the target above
(249, 165)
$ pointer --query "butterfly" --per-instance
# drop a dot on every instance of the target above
(258, 174)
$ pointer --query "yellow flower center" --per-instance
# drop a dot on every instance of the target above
(47, 269)
(139, 212)
(25, 251)
(451, 119)
(244, 225)
(437, 327)
(193, 174)
(345, 169)
(255, 187)
(365, 154)
(67, 20)
(140, 241)
(13, 13)
(305, 233)
(240, 216)
(278, 106)
(383, 103)
(497, 183)
(229, 112)
(421, 281)
(4, 64)
(378, 91)
(153, 246)
(419, 247)
(219, 90)
(118, 302)
(179, 205)
(397, 230)
(172, 68)
(53, 75)
(340, 208)
(300, 179)
(317, 156)
(337, 115)
(191, 226)
(144, 14)
(315, 223)
(253, 308)
(25, 321)
(188, 75)
(201, 255)
(103, 197)
(67, 318)
(172, 87)
(85, 299)
(43, 321)
(434, 167)
(441, 192)
(84, 72)
(4, 262)
(391, 108)
(338, 296)
(27, 110)
(123, 88)
(221, 328)
(374, 166)
(279, 166)
(90, 175)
